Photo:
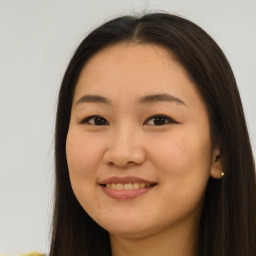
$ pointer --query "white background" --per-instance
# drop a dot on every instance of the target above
(37, 39)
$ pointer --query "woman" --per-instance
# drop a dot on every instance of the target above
(152, 151)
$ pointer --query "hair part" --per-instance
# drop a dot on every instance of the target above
(228, 221)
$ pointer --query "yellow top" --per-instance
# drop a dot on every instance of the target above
(33, 254)
(29, 254)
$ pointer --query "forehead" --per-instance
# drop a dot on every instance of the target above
(130, 59)
(130, 70)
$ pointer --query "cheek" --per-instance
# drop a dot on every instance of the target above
(183, 151)
(83, 155)
(183, 163)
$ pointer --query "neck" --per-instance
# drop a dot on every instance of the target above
(169, 242)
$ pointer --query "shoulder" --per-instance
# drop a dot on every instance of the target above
(30, 254)
(34, 254)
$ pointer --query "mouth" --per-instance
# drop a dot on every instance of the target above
(127, 186)
(124, 188)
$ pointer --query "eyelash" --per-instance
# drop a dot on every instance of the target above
(163, 117)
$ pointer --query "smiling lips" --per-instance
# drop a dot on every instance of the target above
(127, 186)
(124, 188)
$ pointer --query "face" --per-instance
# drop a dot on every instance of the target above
(138, 147)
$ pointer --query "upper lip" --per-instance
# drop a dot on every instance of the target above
(125, 180)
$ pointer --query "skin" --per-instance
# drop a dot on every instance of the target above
(177, 155)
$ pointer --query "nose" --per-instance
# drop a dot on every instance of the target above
(125, 148)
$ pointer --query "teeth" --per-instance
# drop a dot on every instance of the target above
(142, 185)
(136, 186)
(119, 186)
(127, 186)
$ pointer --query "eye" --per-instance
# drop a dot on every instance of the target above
(158, 120)
(95, 120)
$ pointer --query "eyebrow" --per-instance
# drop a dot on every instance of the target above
(144, 99)
(93, 99)
(161, 97)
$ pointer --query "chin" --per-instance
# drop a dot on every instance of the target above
(132, 228)
(129, 232)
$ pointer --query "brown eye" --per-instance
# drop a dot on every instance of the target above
(95, 120)
(159, 120)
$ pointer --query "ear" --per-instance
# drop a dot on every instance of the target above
(217, 171)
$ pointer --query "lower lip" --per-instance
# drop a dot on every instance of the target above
(126, 194)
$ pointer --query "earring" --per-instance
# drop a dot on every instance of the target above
(222, 174)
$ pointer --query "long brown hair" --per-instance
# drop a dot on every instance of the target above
(228, 221)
